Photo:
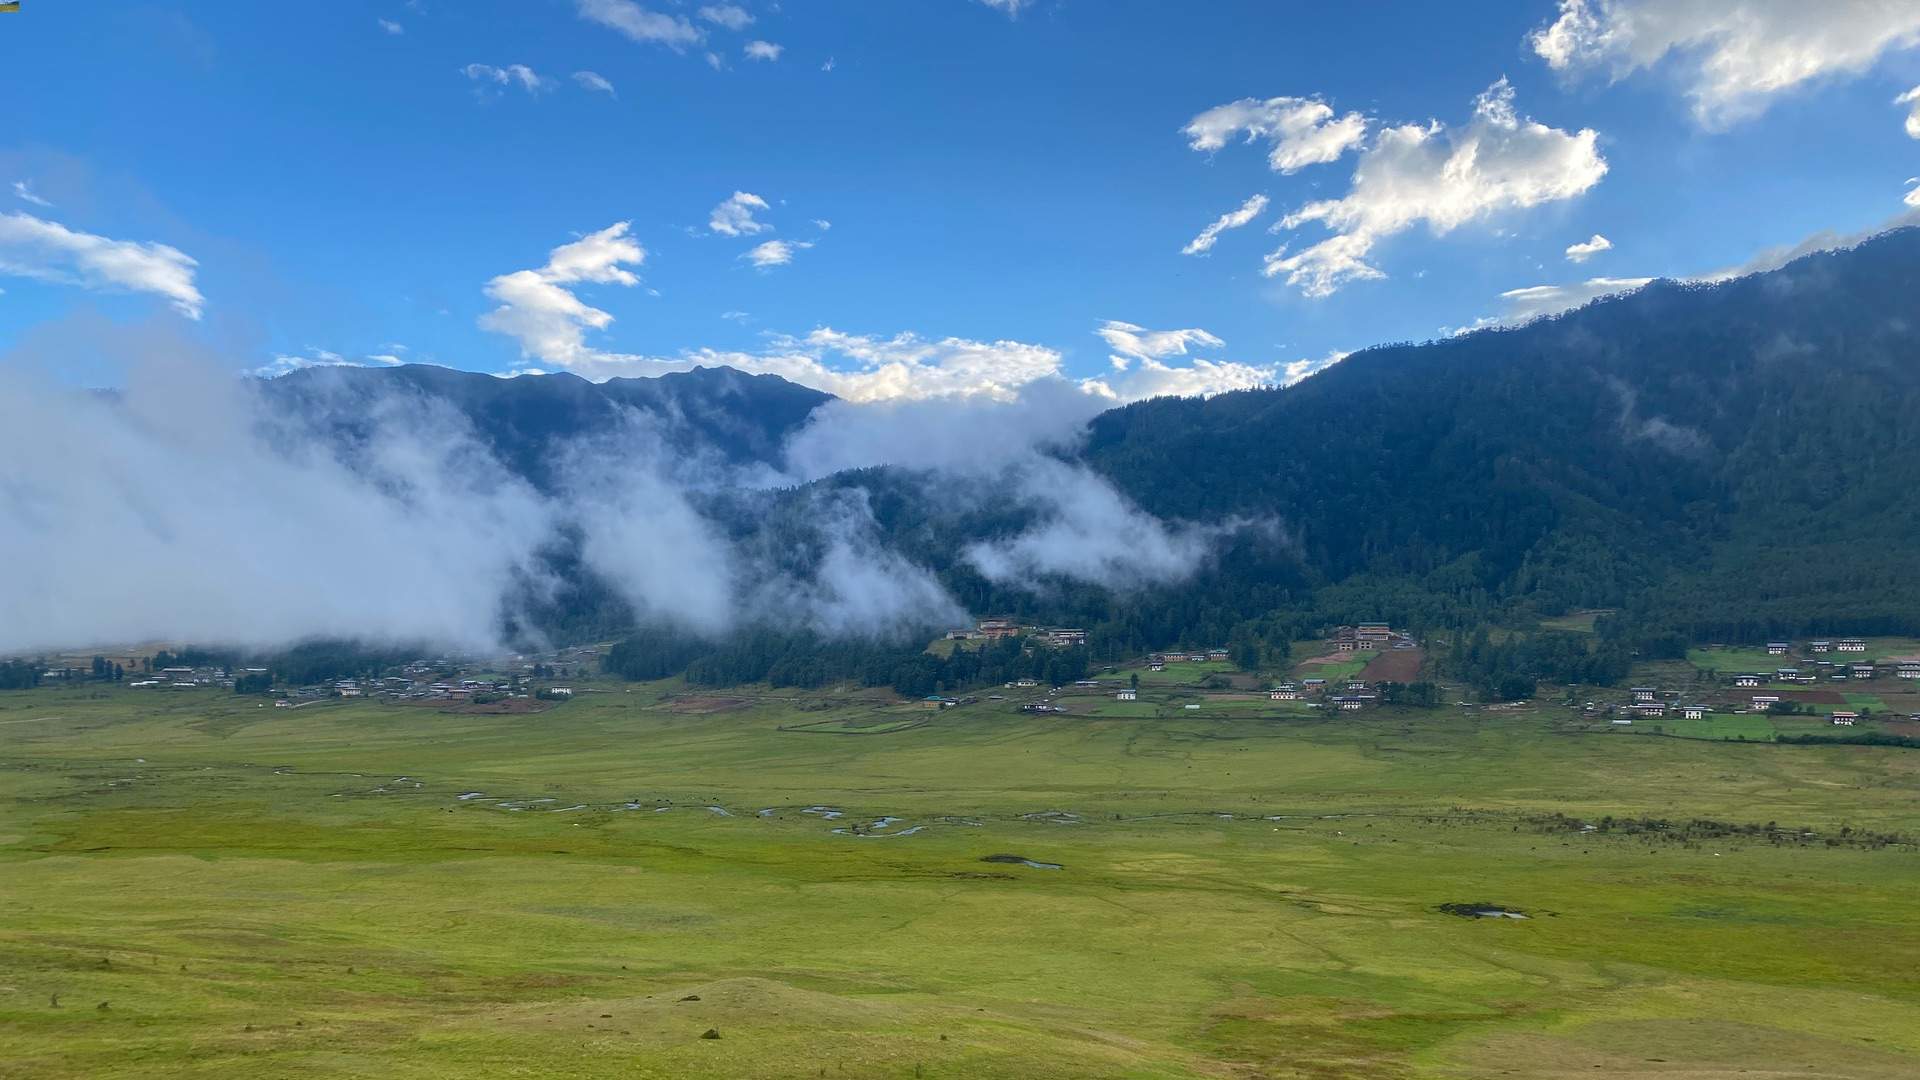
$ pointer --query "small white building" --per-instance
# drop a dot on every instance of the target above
(1695, 712)
(1845, 719)
(1747, 680)
(1283, 694)
(1763, 702)
(1644, 693)
(1777, 648)
(1852, 644)
(1908, 670)
(1128, 695)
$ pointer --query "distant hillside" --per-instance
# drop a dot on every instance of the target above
(745, 419)
(1733, 459)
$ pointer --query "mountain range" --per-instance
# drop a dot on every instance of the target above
(1726, 460)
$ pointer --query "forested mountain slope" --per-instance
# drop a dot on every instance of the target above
(1738, 458)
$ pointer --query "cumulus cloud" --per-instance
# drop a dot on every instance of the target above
(491, 81)
(541, 311)
(593, 80)
(1299, 131)
(772, 253)
(23, 191)
(391, 27)
(49, 251)
(1232, 219)
(641, 24)
(734, 216)
(1911, 99)
(543, 315)
(1734, 56)
(762, 50)
(1912, 198)
(731, 16)
(1587, 249)
(1440, 176)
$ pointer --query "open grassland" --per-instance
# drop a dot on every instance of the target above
(194, 886)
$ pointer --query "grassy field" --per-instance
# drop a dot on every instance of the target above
(194, 886)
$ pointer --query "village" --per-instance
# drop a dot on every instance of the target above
(1353, 668)
(1852, 685)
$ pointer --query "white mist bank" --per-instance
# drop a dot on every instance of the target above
(183, 509)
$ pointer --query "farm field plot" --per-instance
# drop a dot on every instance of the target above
(195, 886)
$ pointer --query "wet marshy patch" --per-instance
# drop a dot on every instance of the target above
(1482, 910)
(1022, 860)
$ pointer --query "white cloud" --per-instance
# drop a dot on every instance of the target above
(1140, 370)
(1912, 197)
(391, 27)
(731, 16)
(1232, 219)
(775, 253)
(23, 191)
(828, 65)
(734, 216)
(864, 368)
(290, 362)
(1581, 252)
(1443, 177)
(593, 80)
(49, 251)
(547, 319)
(1012, 8)
(642, 25)
(492, 79)
(1735, 56)
(1138, 343)
(539, 310)
(1911, 99)
(822, 224)
(762, 50)
(1301, 131)
(1537, 301)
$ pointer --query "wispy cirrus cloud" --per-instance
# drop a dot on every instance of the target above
(772, 253)
(1232, 219)
(33, 247)
(643, 25)
(490, 81)
(732, 16)
(23, 190)
(1587, 249)
(598, 83)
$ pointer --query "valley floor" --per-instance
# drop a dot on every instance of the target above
(195, 885)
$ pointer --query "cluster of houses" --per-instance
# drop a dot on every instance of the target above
(1652, 703)
(1369, 637)
(1831, 671)
(1350, 696)
(1159, 661)
(191, 678)
(996, 629)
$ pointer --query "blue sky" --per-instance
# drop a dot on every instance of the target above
(927, 197)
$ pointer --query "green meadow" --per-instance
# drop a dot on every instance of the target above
(195, 886)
